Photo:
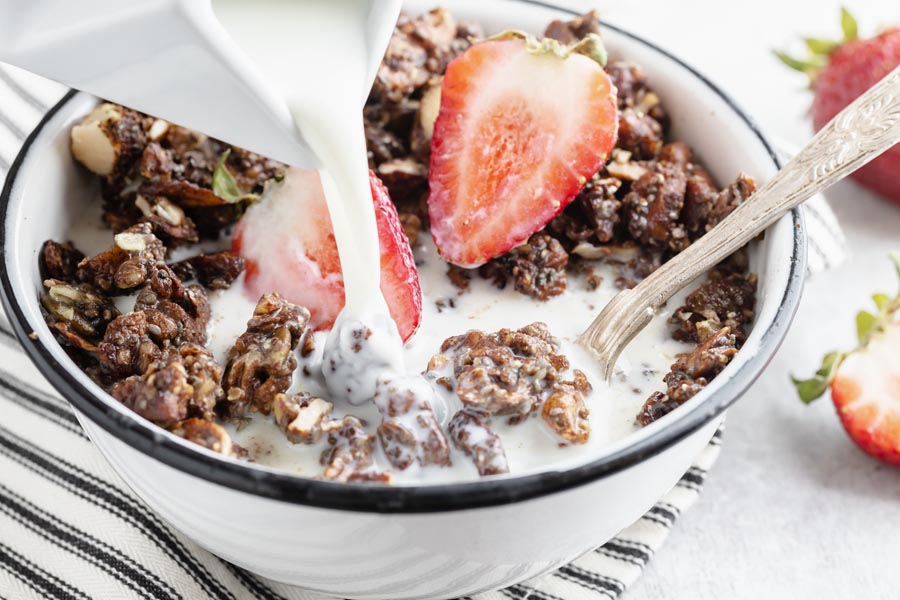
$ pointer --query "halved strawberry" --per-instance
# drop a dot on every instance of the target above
(865, 382)
(523, 124)
(866, 393)
(288, 244)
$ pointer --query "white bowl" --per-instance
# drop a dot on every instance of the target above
(362, 541)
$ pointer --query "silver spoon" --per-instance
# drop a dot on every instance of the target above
(858, 134)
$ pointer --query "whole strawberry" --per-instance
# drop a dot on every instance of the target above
(865, 382)
(839, 72)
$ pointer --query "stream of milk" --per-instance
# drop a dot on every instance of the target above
(323, 79)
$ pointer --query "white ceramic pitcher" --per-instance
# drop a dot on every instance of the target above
(174, 60)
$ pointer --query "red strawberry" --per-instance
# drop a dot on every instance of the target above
(865, 383)
(840, 72)
(288, 244)
(523, 124)
(866, 394)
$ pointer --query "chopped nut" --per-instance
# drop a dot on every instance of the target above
(423, 127)
(301, 417)
(109, 139)
(158, 129)
(564, 411)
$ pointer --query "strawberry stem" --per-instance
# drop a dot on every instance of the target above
(590, 45)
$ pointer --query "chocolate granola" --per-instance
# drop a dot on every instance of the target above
(261, 363)
(159, 189)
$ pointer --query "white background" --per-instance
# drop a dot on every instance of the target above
(792, 509)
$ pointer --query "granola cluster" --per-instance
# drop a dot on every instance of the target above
(714, 317)
(159, 189)
(166, 176)
(513, 374)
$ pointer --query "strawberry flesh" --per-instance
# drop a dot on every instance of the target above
(287, 242)
(516, 138)
(866, 395)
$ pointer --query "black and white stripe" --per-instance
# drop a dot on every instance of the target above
(85, 546)
(112, 499)
(43, 582)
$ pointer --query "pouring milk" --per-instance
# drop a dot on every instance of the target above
(326, 105)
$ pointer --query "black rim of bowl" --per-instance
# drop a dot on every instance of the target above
(150, 440)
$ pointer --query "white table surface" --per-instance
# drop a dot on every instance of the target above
(792, 509)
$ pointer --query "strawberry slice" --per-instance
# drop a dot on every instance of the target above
(866, 393)
(523, 124)
(288, 245)
(865, 382)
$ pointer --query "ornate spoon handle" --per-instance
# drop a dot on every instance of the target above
(859, 133)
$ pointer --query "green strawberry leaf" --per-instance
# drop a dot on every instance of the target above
(820, 46)
(848, 25)
(815, 386)
(866, 323)
(224, 185)
(804, 66)
(881, 301)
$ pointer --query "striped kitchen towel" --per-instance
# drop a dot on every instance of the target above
(70, 528)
